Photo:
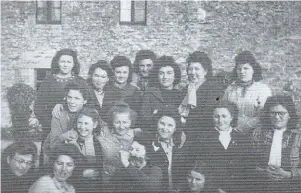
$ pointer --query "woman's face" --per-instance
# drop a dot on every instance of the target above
(279, 116)
(85, 126)
(222, 118)
(196, 181)
(166, 127)
(245, 72)
(63, 167)
(145, 66)
(122, 123)
(121, 74)
(166, 77)
(196, 73)
(66, 64)
(75, 100)
(99, 78)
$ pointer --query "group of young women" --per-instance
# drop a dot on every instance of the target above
(201, 137)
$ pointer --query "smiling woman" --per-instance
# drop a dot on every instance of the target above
(64, 69)
(76, 96)
(63, 161)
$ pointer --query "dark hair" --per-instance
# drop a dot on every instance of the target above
(102, 64)
(68, 150)
(119, 61)
(178, 130)
(23, 148)
(82, 88)
(92, 113)
(246, 57)
(204, 169)
(161, 62)
(286, 102)
(203, 59)
(121, 107)
(20, 97)
(142, 55)
(55, 61)
(232, 108)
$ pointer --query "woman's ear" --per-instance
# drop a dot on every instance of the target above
(8, 159)
(85, 102)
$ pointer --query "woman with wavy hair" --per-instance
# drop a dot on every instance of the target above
(64, 69)
(247, 91)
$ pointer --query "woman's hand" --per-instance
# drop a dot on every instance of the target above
(56, 112)
(124, 155)
(69, 137)
(91, 173)
(277, 173)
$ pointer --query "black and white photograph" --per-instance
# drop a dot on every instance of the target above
(150, 96)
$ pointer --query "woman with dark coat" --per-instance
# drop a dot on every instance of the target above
(64, 69)
(279, 157)
(161, 95)
(166, 149)
(201, 95)
(226, 150)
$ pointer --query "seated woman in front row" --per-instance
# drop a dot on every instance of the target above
(279, 158)
(226, 150)
(199, 179)
(166, 149)
(88, 127)
(64, 162)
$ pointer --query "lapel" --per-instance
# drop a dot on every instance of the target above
(156, 93)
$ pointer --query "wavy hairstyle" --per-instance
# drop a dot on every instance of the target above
(102, 64)
(55, 69)
(120, 61)
(161, 62)
(203, 59)
(246, 57)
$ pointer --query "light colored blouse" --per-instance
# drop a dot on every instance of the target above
(46, 184)
(249, 101)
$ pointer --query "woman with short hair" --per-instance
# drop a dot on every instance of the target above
(64, 161)
(279, 157)
(201, 95)
(161, 95)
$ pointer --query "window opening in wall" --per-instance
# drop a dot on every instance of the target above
(40, 75)
(133, 12)
(48, 12)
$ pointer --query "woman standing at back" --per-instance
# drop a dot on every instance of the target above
(247, 92)
(64, 69)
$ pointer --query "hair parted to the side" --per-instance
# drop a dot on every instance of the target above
(283, 100)
(22, 148)
(102, 64)
(55, 69)
(246, 57)
(142, 55)
(94, 115)
(161, 62)
(232, 108)
(120, 61)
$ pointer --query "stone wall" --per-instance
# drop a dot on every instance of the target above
(271, 30)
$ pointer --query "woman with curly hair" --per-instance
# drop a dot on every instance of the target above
(64, 69)
(161, 95)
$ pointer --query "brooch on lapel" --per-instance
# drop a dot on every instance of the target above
(155, 147)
